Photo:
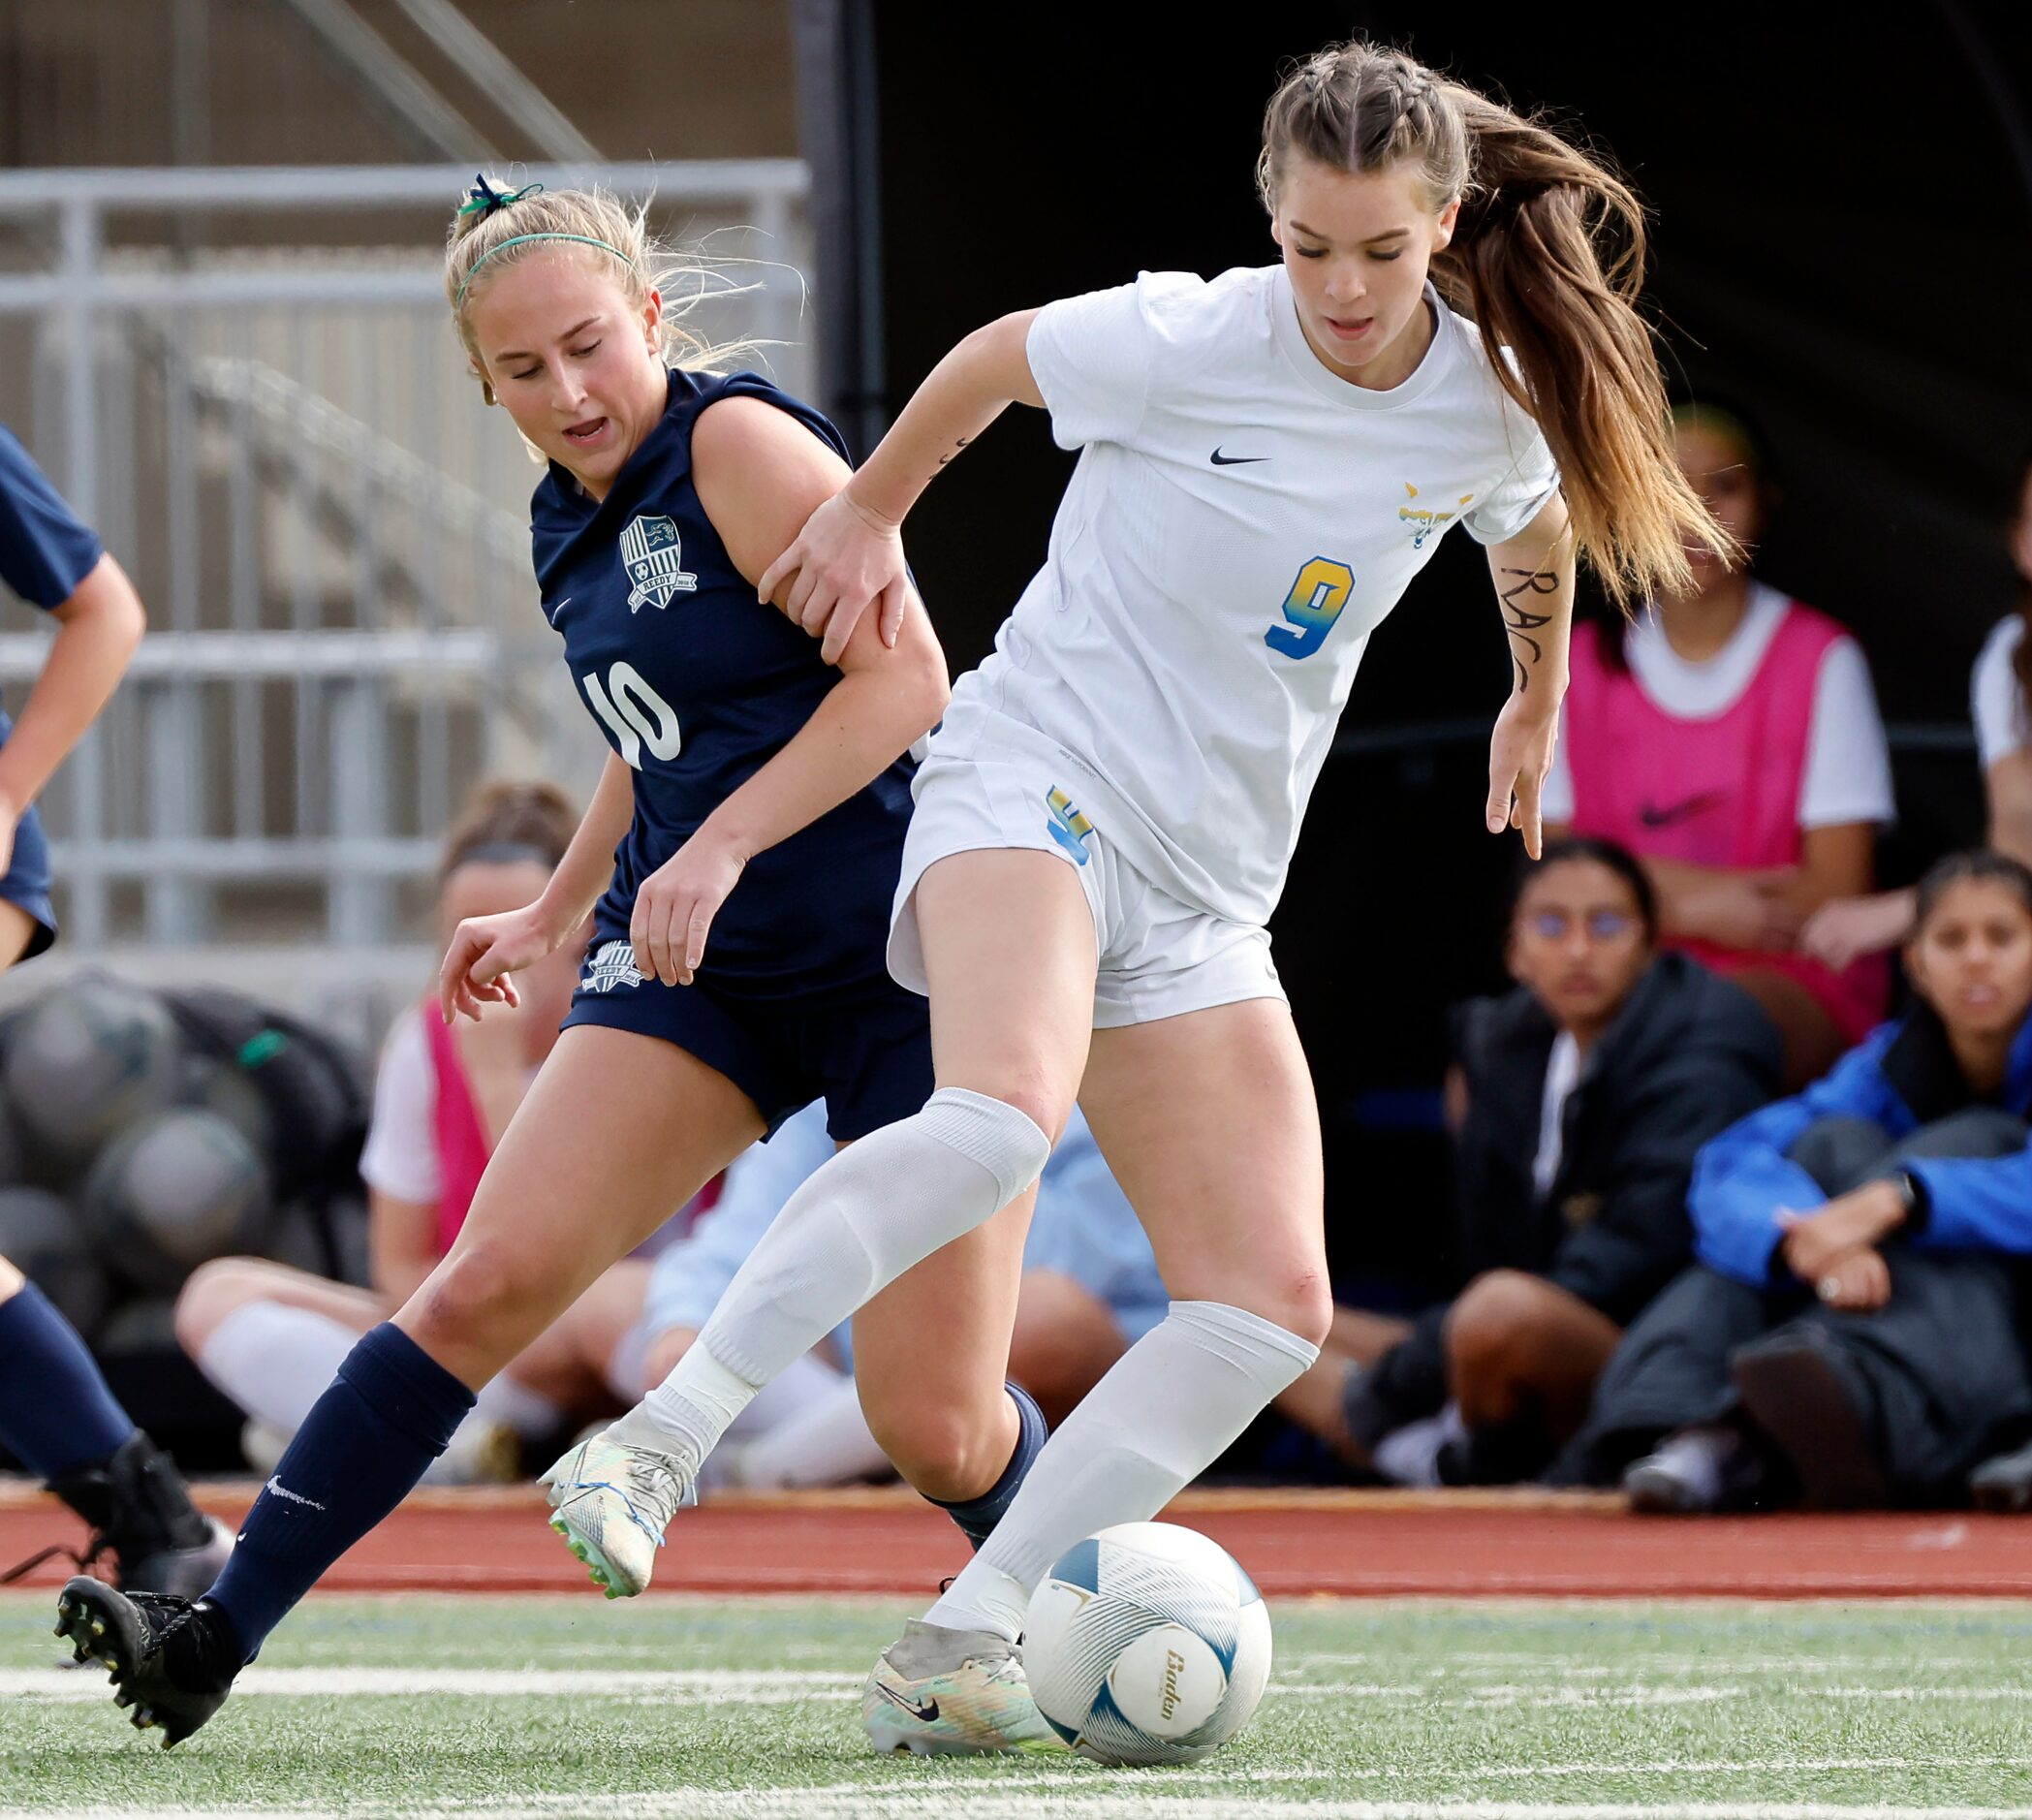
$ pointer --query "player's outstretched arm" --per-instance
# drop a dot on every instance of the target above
(1533, 578)
(760, 474)
(850, 554)
(96, 629)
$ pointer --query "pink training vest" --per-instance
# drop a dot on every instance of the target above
(461, 1138)
(1720, 793)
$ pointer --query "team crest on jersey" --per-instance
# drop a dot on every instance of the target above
(654, 557)
(610, 966)
(1426, 521)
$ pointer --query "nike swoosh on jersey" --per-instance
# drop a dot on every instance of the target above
(1221, 460)
(1653, 816)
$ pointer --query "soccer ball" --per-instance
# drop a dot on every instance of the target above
(1147, 1644)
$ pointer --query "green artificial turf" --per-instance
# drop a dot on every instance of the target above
(670, 1707)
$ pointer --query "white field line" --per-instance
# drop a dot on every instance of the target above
(796, 1686)
(978, 1801)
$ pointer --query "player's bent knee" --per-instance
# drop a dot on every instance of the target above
(946, 1450)
(210, 1293)
(478, 1298)
(1299, 1301)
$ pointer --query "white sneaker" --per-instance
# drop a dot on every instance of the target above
(612, 1503)
(939, 1692)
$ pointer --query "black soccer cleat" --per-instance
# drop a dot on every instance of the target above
(140, 1512)
(172, 1662)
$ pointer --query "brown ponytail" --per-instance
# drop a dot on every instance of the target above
(1548, 256)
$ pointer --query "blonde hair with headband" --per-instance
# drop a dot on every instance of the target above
(496, 228)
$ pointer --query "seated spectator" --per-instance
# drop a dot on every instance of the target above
(271, 1337)
(1582, 1097)
(1730, 739)
(1849, 1334)
(1089, 1288)
(1999, 688)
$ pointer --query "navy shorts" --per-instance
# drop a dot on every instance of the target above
(27, 882)
(867, 1055)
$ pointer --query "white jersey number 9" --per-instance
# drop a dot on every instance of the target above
(638, 716)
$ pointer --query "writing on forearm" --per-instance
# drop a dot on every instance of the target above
(952, 454)
(1521, 623)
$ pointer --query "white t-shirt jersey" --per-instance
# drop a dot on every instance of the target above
(400, 1158)
(1847, 775)
(1240, 521)
(1996, 703)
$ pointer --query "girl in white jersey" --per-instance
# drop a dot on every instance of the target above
(1107, 813)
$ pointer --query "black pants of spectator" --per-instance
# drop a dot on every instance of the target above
(1938, 1373)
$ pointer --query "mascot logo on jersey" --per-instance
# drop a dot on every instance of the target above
(655, 560)
(1423, 521)
(610, 966)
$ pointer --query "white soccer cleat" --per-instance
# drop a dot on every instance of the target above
(939, 1692)
(613, 1501)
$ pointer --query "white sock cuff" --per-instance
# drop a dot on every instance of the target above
(1225, 1329)
(1004, 1139)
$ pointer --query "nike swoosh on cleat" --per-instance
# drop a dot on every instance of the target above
(1232, 461)
(927, 1713)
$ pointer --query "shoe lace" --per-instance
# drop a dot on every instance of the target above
(653, 1478)
(167, 1615)
(84, 1563)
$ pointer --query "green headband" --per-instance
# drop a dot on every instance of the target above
(521, 239)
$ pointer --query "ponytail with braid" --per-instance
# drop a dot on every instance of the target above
(1548, 256)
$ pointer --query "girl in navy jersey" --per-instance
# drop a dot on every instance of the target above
(738, 862)
(1105, 818)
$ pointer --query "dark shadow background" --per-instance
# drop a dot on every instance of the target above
(1843, 243)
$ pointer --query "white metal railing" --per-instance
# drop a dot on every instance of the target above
(283, 446)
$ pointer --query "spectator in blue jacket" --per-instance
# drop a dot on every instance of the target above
(1851, 1330)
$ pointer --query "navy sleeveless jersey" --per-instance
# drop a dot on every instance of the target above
(697, 684)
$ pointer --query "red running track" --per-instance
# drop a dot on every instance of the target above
(1294, 1543)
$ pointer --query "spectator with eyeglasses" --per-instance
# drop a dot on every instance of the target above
(1578, 1101)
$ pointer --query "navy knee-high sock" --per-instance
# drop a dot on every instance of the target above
(978, 1515)
(56, 1414)
(365, 1442)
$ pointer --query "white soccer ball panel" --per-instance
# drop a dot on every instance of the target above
(1185, 1548)
(1167, 1681)
(1251, 1673)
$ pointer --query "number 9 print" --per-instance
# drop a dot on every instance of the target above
(638, 716)
(1313, 605)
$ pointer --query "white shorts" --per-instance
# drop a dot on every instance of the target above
(1156, 957)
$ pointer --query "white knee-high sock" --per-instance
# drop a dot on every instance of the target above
(276, 1361)
(787, 1398)
(851, 1227)
(828, 1442)
(508, 1400)
(1167, 1409)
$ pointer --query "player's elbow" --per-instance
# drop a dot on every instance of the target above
(922, 683)
(106, 598)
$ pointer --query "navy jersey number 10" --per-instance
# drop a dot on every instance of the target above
(638, 716)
